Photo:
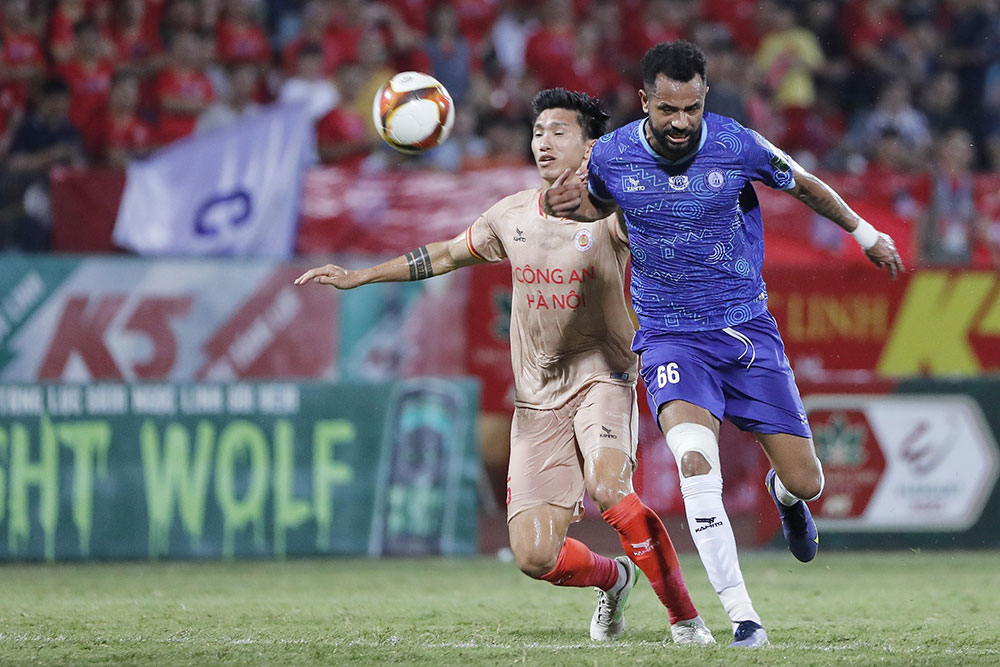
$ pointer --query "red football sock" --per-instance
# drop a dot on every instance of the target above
(579, 566)
(647, 543)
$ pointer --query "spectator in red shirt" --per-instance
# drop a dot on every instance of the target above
(137, 40)
(124, 136)
(590, 72)
(342, 135)
(416, 12)
(662, 21)
(740, 20)
(345, 28)
(549, 51)
(64, 17)
(476, 18)
(315, 20)
(88, 75)
(869, 26)
(22, 61)
(239, 38)
(183, 91)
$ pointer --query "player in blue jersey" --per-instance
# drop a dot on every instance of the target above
(710, 348)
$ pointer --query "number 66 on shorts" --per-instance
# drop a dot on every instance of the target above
(667, 373)
(744, 377)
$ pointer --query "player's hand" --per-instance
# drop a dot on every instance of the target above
(331, 274)
(884, 253)
(564, 196)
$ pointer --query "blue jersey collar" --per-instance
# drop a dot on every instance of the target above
(660, 158)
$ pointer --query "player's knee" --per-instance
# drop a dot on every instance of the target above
(606, 493)
(694, 463)
(537, 560)
(806, 484)
(695, 449)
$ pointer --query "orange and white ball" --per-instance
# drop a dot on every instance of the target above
(413, 112)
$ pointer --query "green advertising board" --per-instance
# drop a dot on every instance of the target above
(107, 471)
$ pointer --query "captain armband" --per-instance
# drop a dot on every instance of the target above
(419, 263)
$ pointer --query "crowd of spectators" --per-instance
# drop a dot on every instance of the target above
(844, 85)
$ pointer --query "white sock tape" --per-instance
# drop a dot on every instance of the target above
(689, 437)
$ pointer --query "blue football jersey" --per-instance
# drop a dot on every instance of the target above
(694, 224)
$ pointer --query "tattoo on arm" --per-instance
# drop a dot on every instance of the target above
(824, 200)
(419, 262)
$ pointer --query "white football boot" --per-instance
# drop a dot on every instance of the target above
(692, 632)
(608, 621)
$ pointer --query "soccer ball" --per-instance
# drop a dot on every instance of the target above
(412, 112)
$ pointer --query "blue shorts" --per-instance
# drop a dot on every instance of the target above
(739, 372)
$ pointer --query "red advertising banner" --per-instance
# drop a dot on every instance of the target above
(857, 323)
(343, 210)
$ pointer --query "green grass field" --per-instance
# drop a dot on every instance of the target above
(904, 608)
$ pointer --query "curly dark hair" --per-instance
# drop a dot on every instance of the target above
(591, 115)
(678, 60)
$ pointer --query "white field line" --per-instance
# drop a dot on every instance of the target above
(393, 641)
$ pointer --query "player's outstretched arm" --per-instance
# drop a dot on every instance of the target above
(568, 197)
(429, 260)
(820, 197)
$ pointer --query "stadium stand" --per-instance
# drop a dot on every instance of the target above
(871, 89)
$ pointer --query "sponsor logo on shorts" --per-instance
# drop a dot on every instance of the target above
(606, 433)
(644, 547)
(519, 236)
(706, 523)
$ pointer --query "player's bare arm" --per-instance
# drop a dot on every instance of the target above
(820, 197)
(569, 198)
(426, 261)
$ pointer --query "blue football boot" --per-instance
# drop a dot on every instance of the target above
(797, 524)
(750, 635)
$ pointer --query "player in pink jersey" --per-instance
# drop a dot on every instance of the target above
(575, 417)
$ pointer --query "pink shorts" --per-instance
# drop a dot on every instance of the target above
(548, 447)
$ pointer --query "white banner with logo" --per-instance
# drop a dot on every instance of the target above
(231, 192)
(902, 463)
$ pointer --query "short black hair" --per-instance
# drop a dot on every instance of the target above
(591, 115)
(679, 61)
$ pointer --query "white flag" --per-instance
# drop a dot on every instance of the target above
(231, 192)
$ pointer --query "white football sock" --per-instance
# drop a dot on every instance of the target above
(713, 536)
(786, 498)
(783, 495)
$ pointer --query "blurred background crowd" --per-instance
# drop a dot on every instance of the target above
(880, 88)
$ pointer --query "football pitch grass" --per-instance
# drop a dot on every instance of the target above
(904, 608)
